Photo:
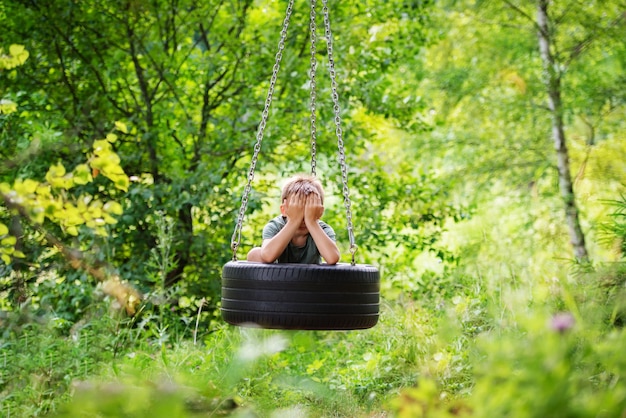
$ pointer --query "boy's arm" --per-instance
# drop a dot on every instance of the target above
(273, 247)
(326, 246)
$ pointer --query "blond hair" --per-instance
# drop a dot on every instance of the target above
(304, 184)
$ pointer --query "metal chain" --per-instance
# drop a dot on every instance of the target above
(313, 88)
(236, 238)
(338, 130)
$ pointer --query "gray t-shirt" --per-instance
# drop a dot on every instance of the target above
(309, 254)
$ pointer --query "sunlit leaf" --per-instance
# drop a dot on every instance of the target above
(7, 106)
(120, 181)
(101, 146)
(19, 53)
(121, 126)
(55, 175)
(82, 174)
(114, 208)
(10, 240)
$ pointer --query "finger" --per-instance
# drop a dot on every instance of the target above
(314, 198)
(297, 200)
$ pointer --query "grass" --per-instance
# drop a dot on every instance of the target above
(511, 335)
(320, 373)
(317, 373)
(481, 352)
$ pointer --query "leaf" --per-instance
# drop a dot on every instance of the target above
(17, 56)
(52, 208)
(25, 187)
(4, 230)
(72, 215)
(8, 241)
(37, 215)
(7, 106)
(101, 232)
(111, 138)
(109, 219)
(121, 126)
(114, 208)
(315, 366)
(101, 145)
(55, 175)
(122, 182)
(30, 186)
(19, 53)
(6, 259)
(82, 174)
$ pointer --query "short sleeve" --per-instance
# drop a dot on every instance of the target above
(328, 230)
(273, 227)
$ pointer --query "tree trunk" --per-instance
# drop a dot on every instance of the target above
(552, 81)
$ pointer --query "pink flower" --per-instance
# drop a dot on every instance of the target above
(562, 322)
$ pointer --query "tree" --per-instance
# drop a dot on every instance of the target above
(552, 81)
(188, 80)
(497, 108)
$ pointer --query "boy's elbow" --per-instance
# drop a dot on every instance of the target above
(267, 258)
(332, 259)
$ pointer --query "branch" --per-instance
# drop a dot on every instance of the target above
(69, 42)
(523, 13)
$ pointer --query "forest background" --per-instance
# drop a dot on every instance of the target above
(485, 145)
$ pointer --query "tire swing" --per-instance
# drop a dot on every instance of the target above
(300, 296)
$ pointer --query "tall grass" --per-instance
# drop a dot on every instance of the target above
(266, 372)
(518, 333)
(478, 354)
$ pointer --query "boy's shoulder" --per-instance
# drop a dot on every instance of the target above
(273, 226)
(279, 220)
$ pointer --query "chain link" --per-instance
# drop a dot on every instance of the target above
(338, 130)
(313, 88)
(236, 238)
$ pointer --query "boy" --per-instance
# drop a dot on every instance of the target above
(298, 236)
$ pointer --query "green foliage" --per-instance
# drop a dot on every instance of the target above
(253, 371)
(613, 232)
(51, 200)
(40, 360)
(188, 93)
(453, 197)
(16, 57)
(7, 245)
(547, 368)
(485, 352)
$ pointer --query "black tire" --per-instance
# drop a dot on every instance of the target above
(300, 296)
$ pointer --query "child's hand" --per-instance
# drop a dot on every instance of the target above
(294, 207)
(313, 209)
